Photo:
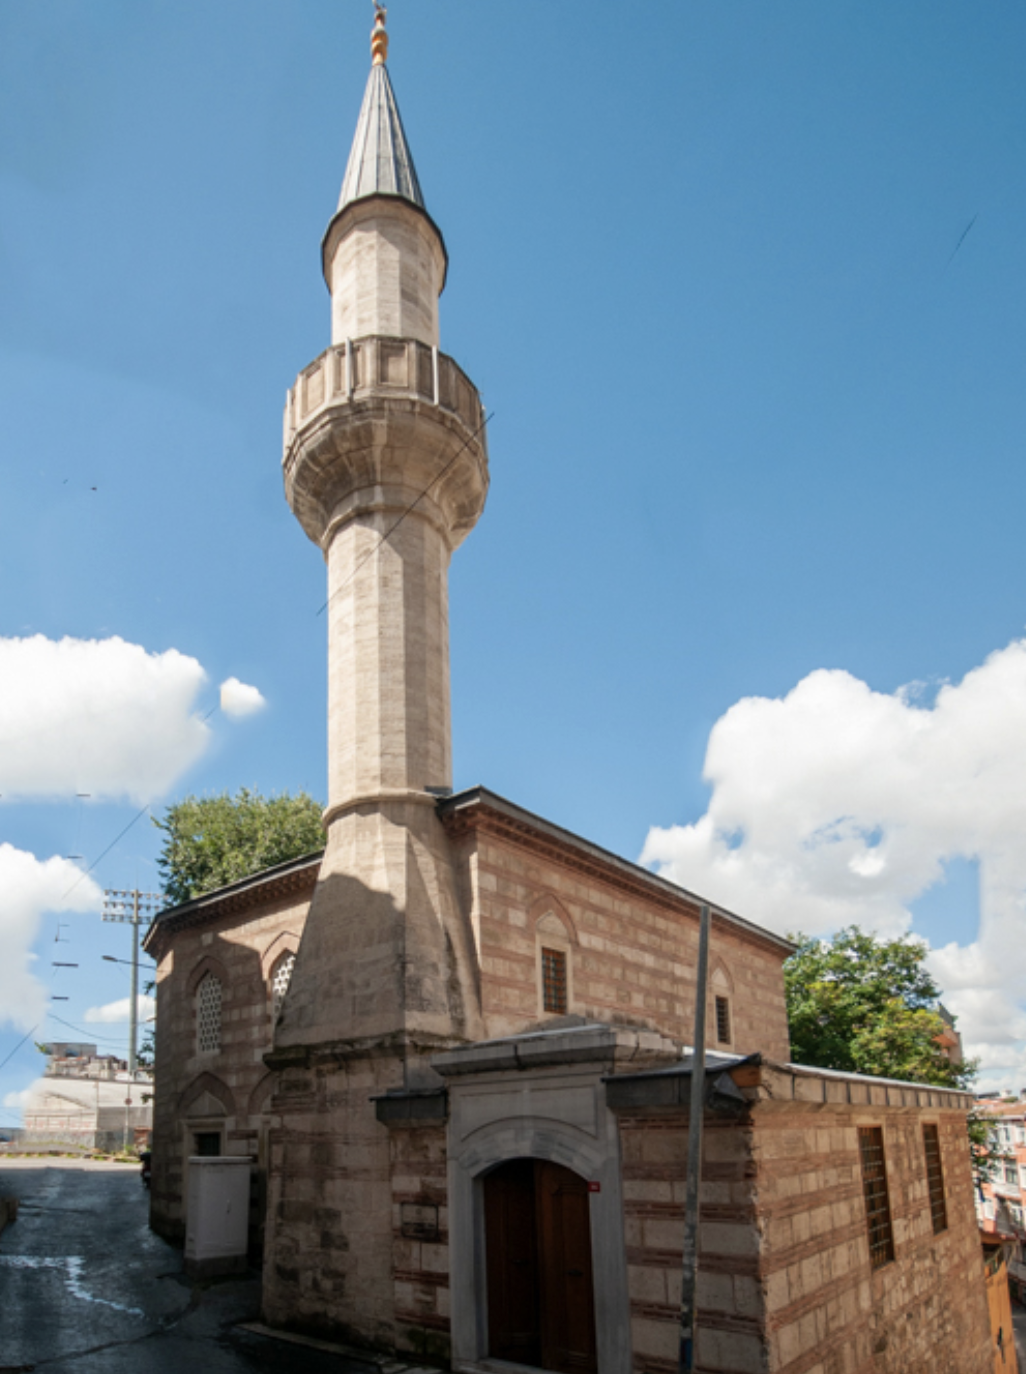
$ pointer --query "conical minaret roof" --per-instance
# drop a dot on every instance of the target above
(380, 163)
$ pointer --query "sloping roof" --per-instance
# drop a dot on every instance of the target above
(380, 162)
(286, 879)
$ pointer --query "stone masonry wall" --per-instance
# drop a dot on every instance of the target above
(420, 1249)
(654, 1152)
(328, 1265)
(785, 1281)
(226, 1089)
(632, 952)
(827, 1310)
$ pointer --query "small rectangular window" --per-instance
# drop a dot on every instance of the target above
(935, 1179)
(554, 981)
(878, 1203)
(206, 1142)
(723, 1020)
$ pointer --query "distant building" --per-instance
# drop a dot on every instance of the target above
(87, 1099)
(1001, 1200)
(950, 1039)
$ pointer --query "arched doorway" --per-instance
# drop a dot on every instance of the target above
(541, 1308)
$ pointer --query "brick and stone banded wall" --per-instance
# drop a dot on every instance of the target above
(654, 1158)
(827, 1310)
(328, 1264)
(633, 952)
(240, 947)
(420, 1238)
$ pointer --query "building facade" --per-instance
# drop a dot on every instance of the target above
(88, 1100)
(455, 1042)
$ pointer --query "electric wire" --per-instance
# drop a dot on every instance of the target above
(20, 1043)
(120, 836)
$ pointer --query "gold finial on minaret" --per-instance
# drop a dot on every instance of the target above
(379, 38)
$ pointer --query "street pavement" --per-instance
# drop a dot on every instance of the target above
(87, 1288)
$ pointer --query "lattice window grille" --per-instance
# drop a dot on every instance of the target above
(723, 1020)
(878, 1203)
(208, 1013)
(935, 1178)
(554, 998)
(280, 982)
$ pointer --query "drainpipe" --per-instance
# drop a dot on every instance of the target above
(686, 1358)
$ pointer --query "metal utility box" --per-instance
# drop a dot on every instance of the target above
(217, 1214)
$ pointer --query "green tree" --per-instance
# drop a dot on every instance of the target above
(211, 841)
(865, 1005)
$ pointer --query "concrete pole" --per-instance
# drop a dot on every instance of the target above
(686, 1359)
(133, 1011)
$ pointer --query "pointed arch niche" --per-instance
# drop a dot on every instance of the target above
(720, 1027)
(277, 964)
(555, 944)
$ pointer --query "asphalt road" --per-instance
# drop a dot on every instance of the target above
(87, 1288)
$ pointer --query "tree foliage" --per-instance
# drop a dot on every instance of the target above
(211, 841)
(984, 1154)
(865, 1005)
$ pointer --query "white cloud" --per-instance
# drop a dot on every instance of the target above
(97, 716)
(30, 887)
(19, 1100)
(838, 804)
(118, 1012)
(239, 699)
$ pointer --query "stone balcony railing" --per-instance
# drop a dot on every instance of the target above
(379, 366)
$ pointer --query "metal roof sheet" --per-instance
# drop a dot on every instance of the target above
(380, 162)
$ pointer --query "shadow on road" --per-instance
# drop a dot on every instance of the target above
(87, 1288)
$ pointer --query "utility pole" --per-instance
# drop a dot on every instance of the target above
(689, 1284)
(129, 908)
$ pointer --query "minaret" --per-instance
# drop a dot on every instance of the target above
(386, 469)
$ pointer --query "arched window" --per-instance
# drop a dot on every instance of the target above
(722, 1009)
(281, 976)
(555, 970)
(208, 1014)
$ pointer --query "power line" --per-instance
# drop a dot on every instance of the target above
(86, 871)
(20, 1043)
(88, 1035)
(413, 504)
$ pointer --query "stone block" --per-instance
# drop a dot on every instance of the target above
(646, 1284)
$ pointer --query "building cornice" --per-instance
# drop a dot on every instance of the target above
(272, 884)
(477, 809)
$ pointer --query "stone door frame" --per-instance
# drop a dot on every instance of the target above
(594, 1159)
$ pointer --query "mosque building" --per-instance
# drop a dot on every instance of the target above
(455, 1045)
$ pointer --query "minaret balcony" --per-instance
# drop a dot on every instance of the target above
(390, 422)
(377, 366)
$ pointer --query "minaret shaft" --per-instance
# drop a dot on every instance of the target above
(388, 675)
(385, 271)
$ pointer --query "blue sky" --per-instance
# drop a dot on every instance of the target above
(744, 287)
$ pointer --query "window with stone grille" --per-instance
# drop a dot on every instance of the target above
(554, 997)
(280, 978)
(935, 1178)
(723, 1020)
(874, 1188)
(208, 1013)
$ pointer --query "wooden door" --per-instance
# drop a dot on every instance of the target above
(567, 1303)
(538, 1236)
(511, 1239)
